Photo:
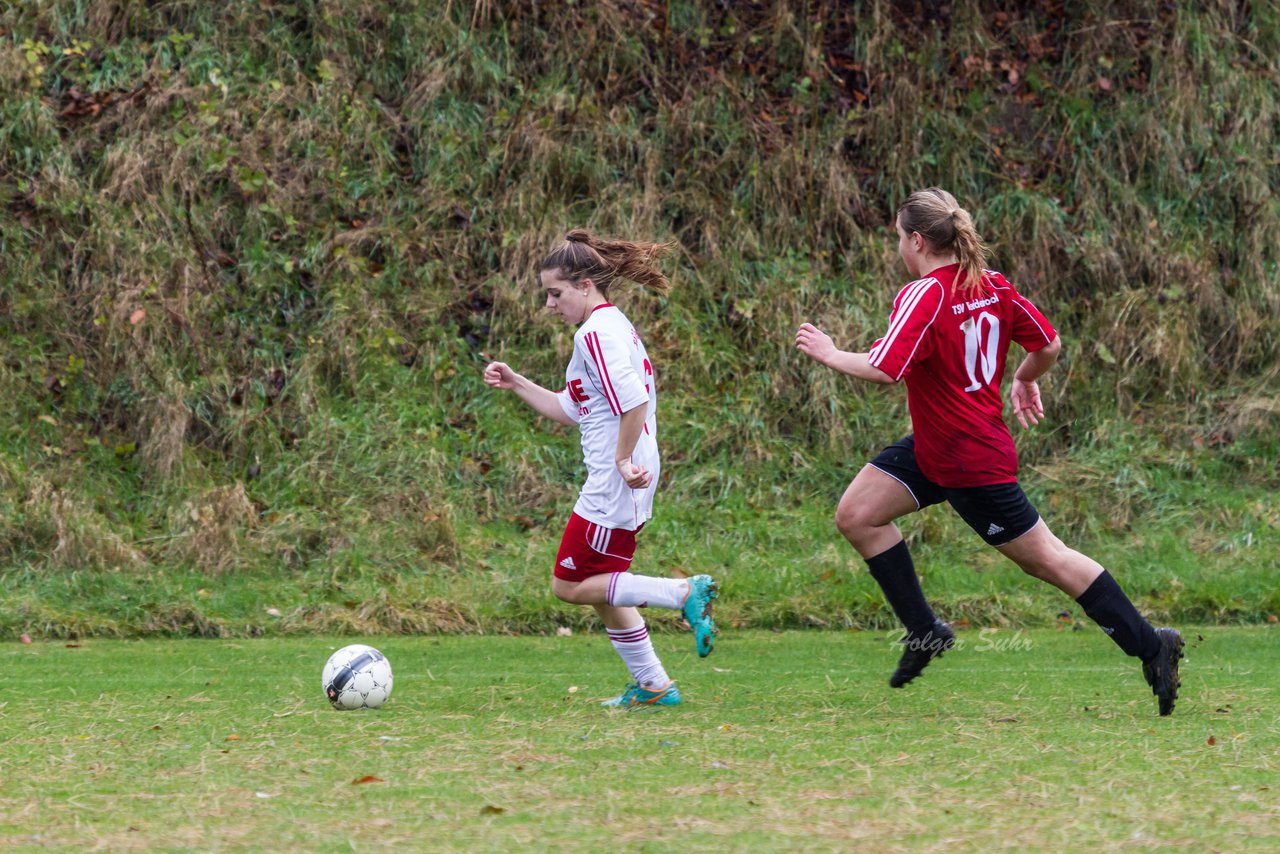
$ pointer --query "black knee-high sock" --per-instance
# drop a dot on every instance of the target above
(896, 575)
(1105, 603)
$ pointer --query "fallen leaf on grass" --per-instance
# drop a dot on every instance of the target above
(367, 778)
(233, 737)
(490, 809)
(72, 645)
(1212, 741)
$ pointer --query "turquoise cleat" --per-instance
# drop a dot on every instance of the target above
(635, 696)
(697, 610)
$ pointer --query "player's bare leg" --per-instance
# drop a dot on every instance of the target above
(1042, 555)
(866, 512)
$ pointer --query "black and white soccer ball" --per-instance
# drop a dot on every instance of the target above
(357, 677)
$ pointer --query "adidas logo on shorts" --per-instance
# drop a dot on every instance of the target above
(994, 529)
(568, 563)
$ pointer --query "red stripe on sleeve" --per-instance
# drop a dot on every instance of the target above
(597, 354)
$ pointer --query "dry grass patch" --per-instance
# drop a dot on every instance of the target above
(211, 528)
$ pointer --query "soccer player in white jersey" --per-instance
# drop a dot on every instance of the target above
(948, 337)
(609, 392)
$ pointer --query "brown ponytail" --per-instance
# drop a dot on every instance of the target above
(583, 255)
(947, 227)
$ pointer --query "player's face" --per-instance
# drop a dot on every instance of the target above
(907, 249)
(567, 299)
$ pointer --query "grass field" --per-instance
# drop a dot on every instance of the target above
(1042, 740)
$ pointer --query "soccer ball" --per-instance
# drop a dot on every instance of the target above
(357, 677)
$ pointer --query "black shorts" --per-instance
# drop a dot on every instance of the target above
(999, 513)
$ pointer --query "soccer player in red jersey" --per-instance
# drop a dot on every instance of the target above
(611, 396)
(948, 338)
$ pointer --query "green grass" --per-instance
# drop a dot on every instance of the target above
(1185, 547)
(1046, 740)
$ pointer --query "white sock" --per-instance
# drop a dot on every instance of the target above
(637, 653)
(638, 591)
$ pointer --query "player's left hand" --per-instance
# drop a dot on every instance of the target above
(1027, 406)
(814, 343)
(636, 477)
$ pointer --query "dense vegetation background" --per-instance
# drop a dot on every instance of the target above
(254, 255)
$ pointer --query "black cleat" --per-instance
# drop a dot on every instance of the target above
(1161, 671)
(920, 650)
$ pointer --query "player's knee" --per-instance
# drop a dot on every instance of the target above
(851, 521)
(844, 520)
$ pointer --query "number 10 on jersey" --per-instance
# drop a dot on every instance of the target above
(979, 346)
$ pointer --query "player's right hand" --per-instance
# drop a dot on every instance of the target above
(500, 375)
(814, 343)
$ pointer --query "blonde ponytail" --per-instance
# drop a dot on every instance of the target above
(947, 227)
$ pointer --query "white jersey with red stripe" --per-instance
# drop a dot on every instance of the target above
(610, 374)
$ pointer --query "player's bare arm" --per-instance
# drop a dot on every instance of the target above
(629, 428)
(543, 401)
(817, 345)
(1028, 407)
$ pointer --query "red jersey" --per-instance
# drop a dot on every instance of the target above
(952, 350)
